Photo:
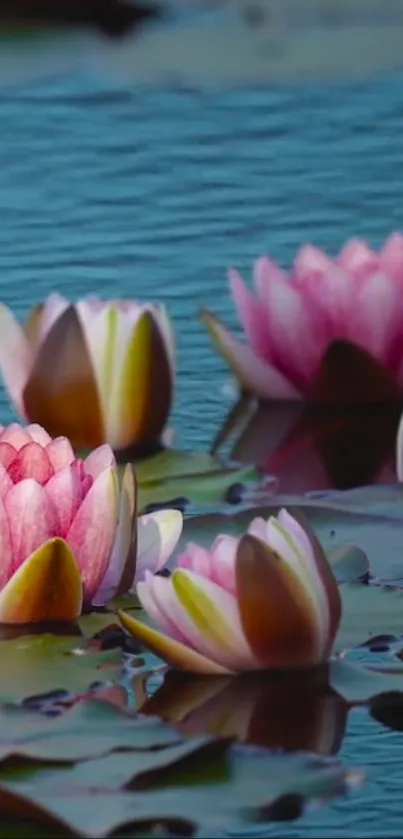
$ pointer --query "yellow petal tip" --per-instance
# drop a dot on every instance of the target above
(46, 587)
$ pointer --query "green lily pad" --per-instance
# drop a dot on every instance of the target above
(368, 611)
(37, 664)
(218, 791)
(124, 769)
(88, 729)
(358, 684)
(192, 478)
(349, 563)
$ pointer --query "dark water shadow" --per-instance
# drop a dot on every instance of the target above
(343, 436)
(292, 711)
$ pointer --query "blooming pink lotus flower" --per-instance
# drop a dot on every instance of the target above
(291, 320)
(68, 533)
(268, 600)
(94, 371)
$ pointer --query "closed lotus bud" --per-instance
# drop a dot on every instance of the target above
(268, 600)
(69, 533)
(94, 371)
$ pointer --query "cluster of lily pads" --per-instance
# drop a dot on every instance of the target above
(126, 680)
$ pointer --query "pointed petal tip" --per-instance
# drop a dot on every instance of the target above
(157, 537)
(46, 587)
(173, 652)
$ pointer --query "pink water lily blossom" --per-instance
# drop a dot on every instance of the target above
(267, 600)
(290, 320)
(69, 533)
(94, 371)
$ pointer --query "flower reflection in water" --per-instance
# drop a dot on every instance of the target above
(290, 711)
(327, 442)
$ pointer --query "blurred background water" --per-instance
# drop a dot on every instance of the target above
(155, 194)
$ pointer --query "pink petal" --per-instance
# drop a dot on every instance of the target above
(257, 376)
(32, 518)
(223, 562)
(258, 528)
(6, 564)
(7, 454)
(251, 316)
(391, 257)
(157, 536)
(15, 357)
(265, 271)
(92, 532)
(66, 492)
(146, 594)
(328, 288)
(5, 480)
(100, 459)
(31, 461)
(312, 262)
(16, 435)
(60, 452)
(38, 434)
(195, 558)
(358, 259)
(297, 332)
(376, 319)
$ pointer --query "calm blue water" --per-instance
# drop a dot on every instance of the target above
(155, 194)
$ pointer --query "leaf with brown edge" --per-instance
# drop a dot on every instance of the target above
(276, 612)
(61, 393)
(326, 575)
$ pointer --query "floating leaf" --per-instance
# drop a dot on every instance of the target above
(38, 664)
(193, 477)
(369, 611)
(349, 563)
(124, 769)
(87, 729)
(217, 792)
(358, 684)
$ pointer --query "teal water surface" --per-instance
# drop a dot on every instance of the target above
(154, 194)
